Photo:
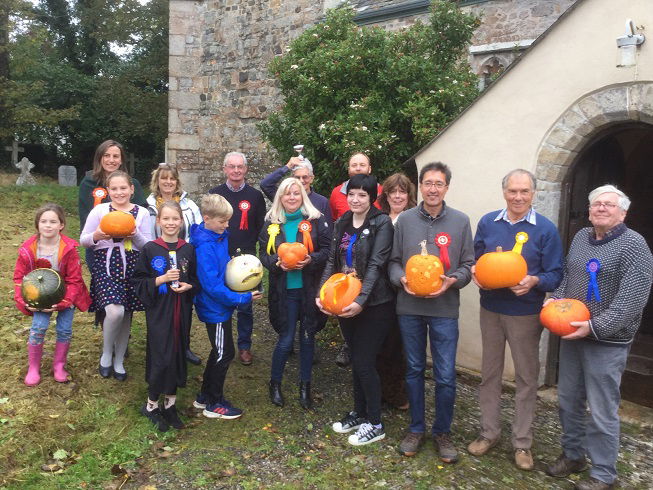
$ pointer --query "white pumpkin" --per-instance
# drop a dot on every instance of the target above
(244, 273)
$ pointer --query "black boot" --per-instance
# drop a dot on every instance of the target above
(275, 393)
(305, 395)
(193, 358)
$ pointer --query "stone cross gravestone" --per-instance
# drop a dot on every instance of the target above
(67, 176)
(25, 178)
(15, 150)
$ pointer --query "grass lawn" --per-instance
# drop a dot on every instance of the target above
(88, 433)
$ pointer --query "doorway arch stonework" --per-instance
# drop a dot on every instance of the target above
(575, 128)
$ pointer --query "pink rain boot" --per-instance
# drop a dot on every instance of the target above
(35, 353)
(59, 362)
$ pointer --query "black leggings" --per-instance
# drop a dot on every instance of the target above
(217, 365)
(365, 334)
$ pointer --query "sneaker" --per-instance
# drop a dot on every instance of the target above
(201, 401)
(481, 446)
(411, 443)
(222, 410)
(366, 434)
(524, 459)
(350, 422)
(156, 418)
(171, 416)
(448, 452)
(563, 466)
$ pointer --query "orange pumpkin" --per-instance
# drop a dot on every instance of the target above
(118, 224)
(500, 269)
(423, 272)
(290, 254)
(557, 315)
(339, 291)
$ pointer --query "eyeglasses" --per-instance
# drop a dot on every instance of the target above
(430, 185)
(167, 165)
(235, 167)
(606, 205)
(304, 178)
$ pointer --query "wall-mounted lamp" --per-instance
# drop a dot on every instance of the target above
(627, 45)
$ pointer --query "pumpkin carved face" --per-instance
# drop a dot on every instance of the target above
(423, 272)
(500, 269)
(118, 224)
(42, 288)
(244, 273)
(291, 254)
(557, 315)
(339, 291)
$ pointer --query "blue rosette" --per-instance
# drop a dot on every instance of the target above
(593, 267)
(159, 264)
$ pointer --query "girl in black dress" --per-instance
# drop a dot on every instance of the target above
(165, 282)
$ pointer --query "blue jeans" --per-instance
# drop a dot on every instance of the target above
(41, 321)
(245, 326)
(443, 334)
(286, 338)
(590, 374)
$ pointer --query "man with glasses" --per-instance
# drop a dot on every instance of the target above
(301, 169)
(448, 235)
(512, 314)
(244, 226)
(609, 267)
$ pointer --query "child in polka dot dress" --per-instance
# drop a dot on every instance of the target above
(114, 260)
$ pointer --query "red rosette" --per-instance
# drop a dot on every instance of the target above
(99, 193)
(443, 240)
(244, 207)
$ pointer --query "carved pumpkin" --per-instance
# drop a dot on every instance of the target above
(500, 269)
(42, 288)
(339, 291)
(423, 272)
(557, 315)
(290, 254)
(244, 273)
(118, 224)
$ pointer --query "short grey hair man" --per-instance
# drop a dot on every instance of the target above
(624, 201)
(234, 154)
(519, 171)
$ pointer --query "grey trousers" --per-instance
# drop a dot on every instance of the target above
(523, 335)
(590, 374)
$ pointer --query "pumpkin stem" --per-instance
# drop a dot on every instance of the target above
(499, 249)
(423, 245)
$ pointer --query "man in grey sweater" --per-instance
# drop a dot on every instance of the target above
(448, 235)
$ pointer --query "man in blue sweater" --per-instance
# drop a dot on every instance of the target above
(512, 314)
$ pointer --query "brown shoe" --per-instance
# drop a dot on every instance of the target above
(411, 443)
(593, 484)
(524, 459)
(563, 466)
(245, 357)
(481, 445)
(446, 449)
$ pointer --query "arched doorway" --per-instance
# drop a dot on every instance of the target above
(621, 155)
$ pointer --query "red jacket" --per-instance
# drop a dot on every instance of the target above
(338, 201)
(70, 270)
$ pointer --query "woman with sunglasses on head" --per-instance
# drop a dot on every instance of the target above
(166, 186)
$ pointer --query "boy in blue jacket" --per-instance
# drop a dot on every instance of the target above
(215, 303)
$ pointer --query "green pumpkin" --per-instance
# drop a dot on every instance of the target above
(43, 288)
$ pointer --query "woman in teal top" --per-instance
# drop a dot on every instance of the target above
(291, 291)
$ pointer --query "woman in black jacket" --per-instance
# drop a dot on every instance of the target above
(292, 218)
(362, 242)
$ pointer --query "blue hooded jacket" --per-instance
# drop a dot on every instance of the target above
(215, 302)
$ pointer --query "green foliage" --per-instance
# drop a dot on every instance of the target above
(350, 89)
(82, 71)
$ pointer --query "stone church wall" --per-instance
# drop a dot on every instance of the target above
(220, 87)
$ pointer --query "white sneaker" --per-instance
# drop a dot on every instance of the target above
(349, 422)
(366, 434)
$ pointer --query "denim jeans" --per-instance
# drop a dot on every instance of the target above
(41, 321)
(590, 374)
(286, 338)
(245, 326)
(443, 334)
